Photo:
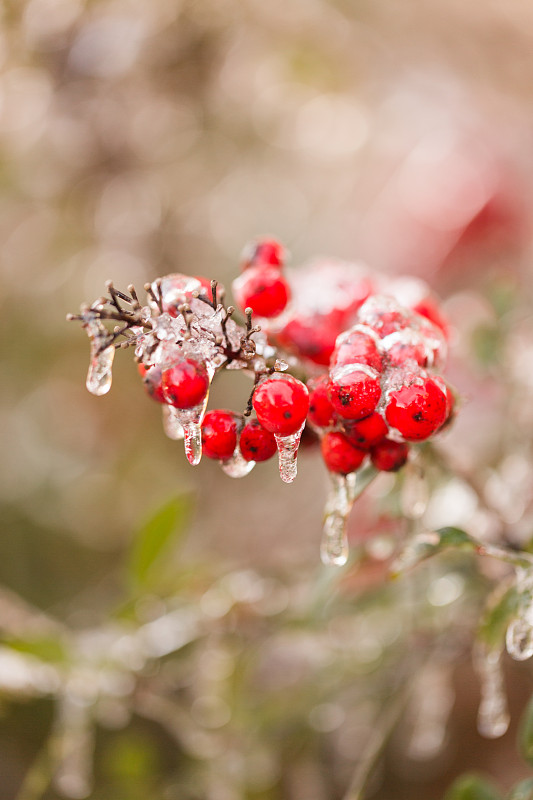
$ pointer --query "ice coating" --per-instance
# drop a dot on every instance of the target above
(237, 466)
(334, 543)
(288, 454)
(190, 420)
(519, 634)
(493, 714)
(171, 423)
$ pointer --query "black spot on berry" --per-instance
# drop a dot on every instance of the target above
(418, 417)
(287, 414)
(253, 448)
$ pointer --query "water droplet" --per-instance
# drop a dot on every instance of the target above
(415, 493)
(493, 715)
(99, 376)
(288, 454)
(171, 423)
(237, 466)
(334, 544)
(519, 639)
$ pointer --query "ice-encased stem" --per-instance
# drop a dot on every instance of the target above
(493, 715)
(334, 544)
(288, 454)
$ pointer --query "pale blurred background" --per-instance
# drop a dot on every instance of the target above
(140, 138)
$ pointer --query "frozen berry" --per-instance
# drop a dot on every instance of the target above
(177, 289)
(263, 290)
(152, 382)
(339, 454)
(384, 315)
(428, 307)
(389, 456)
(263, 253)
(186, 384)
(354, 391)
(367, 432)
(219, 434)
(356, 347)
(321, 412)
(402, 349)
(256, 443)
(418, 409)
(281, 403)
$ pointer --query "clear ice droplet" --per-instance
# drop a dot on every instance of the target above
(334, 544)
(99, 376)
(493, 715)
(190, 420)
(288, 454)
(171, 423)
(237, 466)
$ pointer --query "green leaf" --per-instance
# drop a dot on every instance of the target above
(472, 787)
(154, 536)
(522, 790)
(525, 733)
(454, 537)
(498, 615)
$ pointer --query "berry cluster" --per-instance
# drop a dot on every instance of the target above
(371, 360)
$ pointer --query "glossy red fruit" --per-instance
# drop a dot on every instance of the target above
(367, 432)
(389, 456)
(186, 384)
(428, 307)
(354, 391)
(403, 352)
(263, 253)
(263, 289)
(220, 430)
(256, 443)
(356, 347)
(321, 412)
(308, 338)
(281, 403)
(417, 410)
(339, 454)
(152, 382)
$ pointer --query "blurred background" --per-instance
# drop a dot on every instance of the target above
(141, 138)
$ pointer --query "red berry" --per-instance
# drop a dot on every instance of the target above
(384, 315)
(311, 338)
(186, 384)
(354, 391)
(356, 347)
(263, 253)
(177, 289)
(418, 409)
(219, 434)
(389, 456)
(403, 351)
(281, 403)
(263, 290)
(339, 454)
(428, 307)
(256, 443)
(367, 432)
(321, 412)
(152, 382)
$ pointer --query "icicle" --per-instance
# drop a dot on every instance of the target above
(493, 715)
(190, 420)
(171, 423)
(288, 454)
(433, 698)
(237, 466)
(99, 376)
(519, 636)
(334, 544)
(415, 493)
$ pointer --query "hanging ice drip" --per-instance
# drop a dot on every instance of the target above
(334, 544)
(99, 375)
(493, 714)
